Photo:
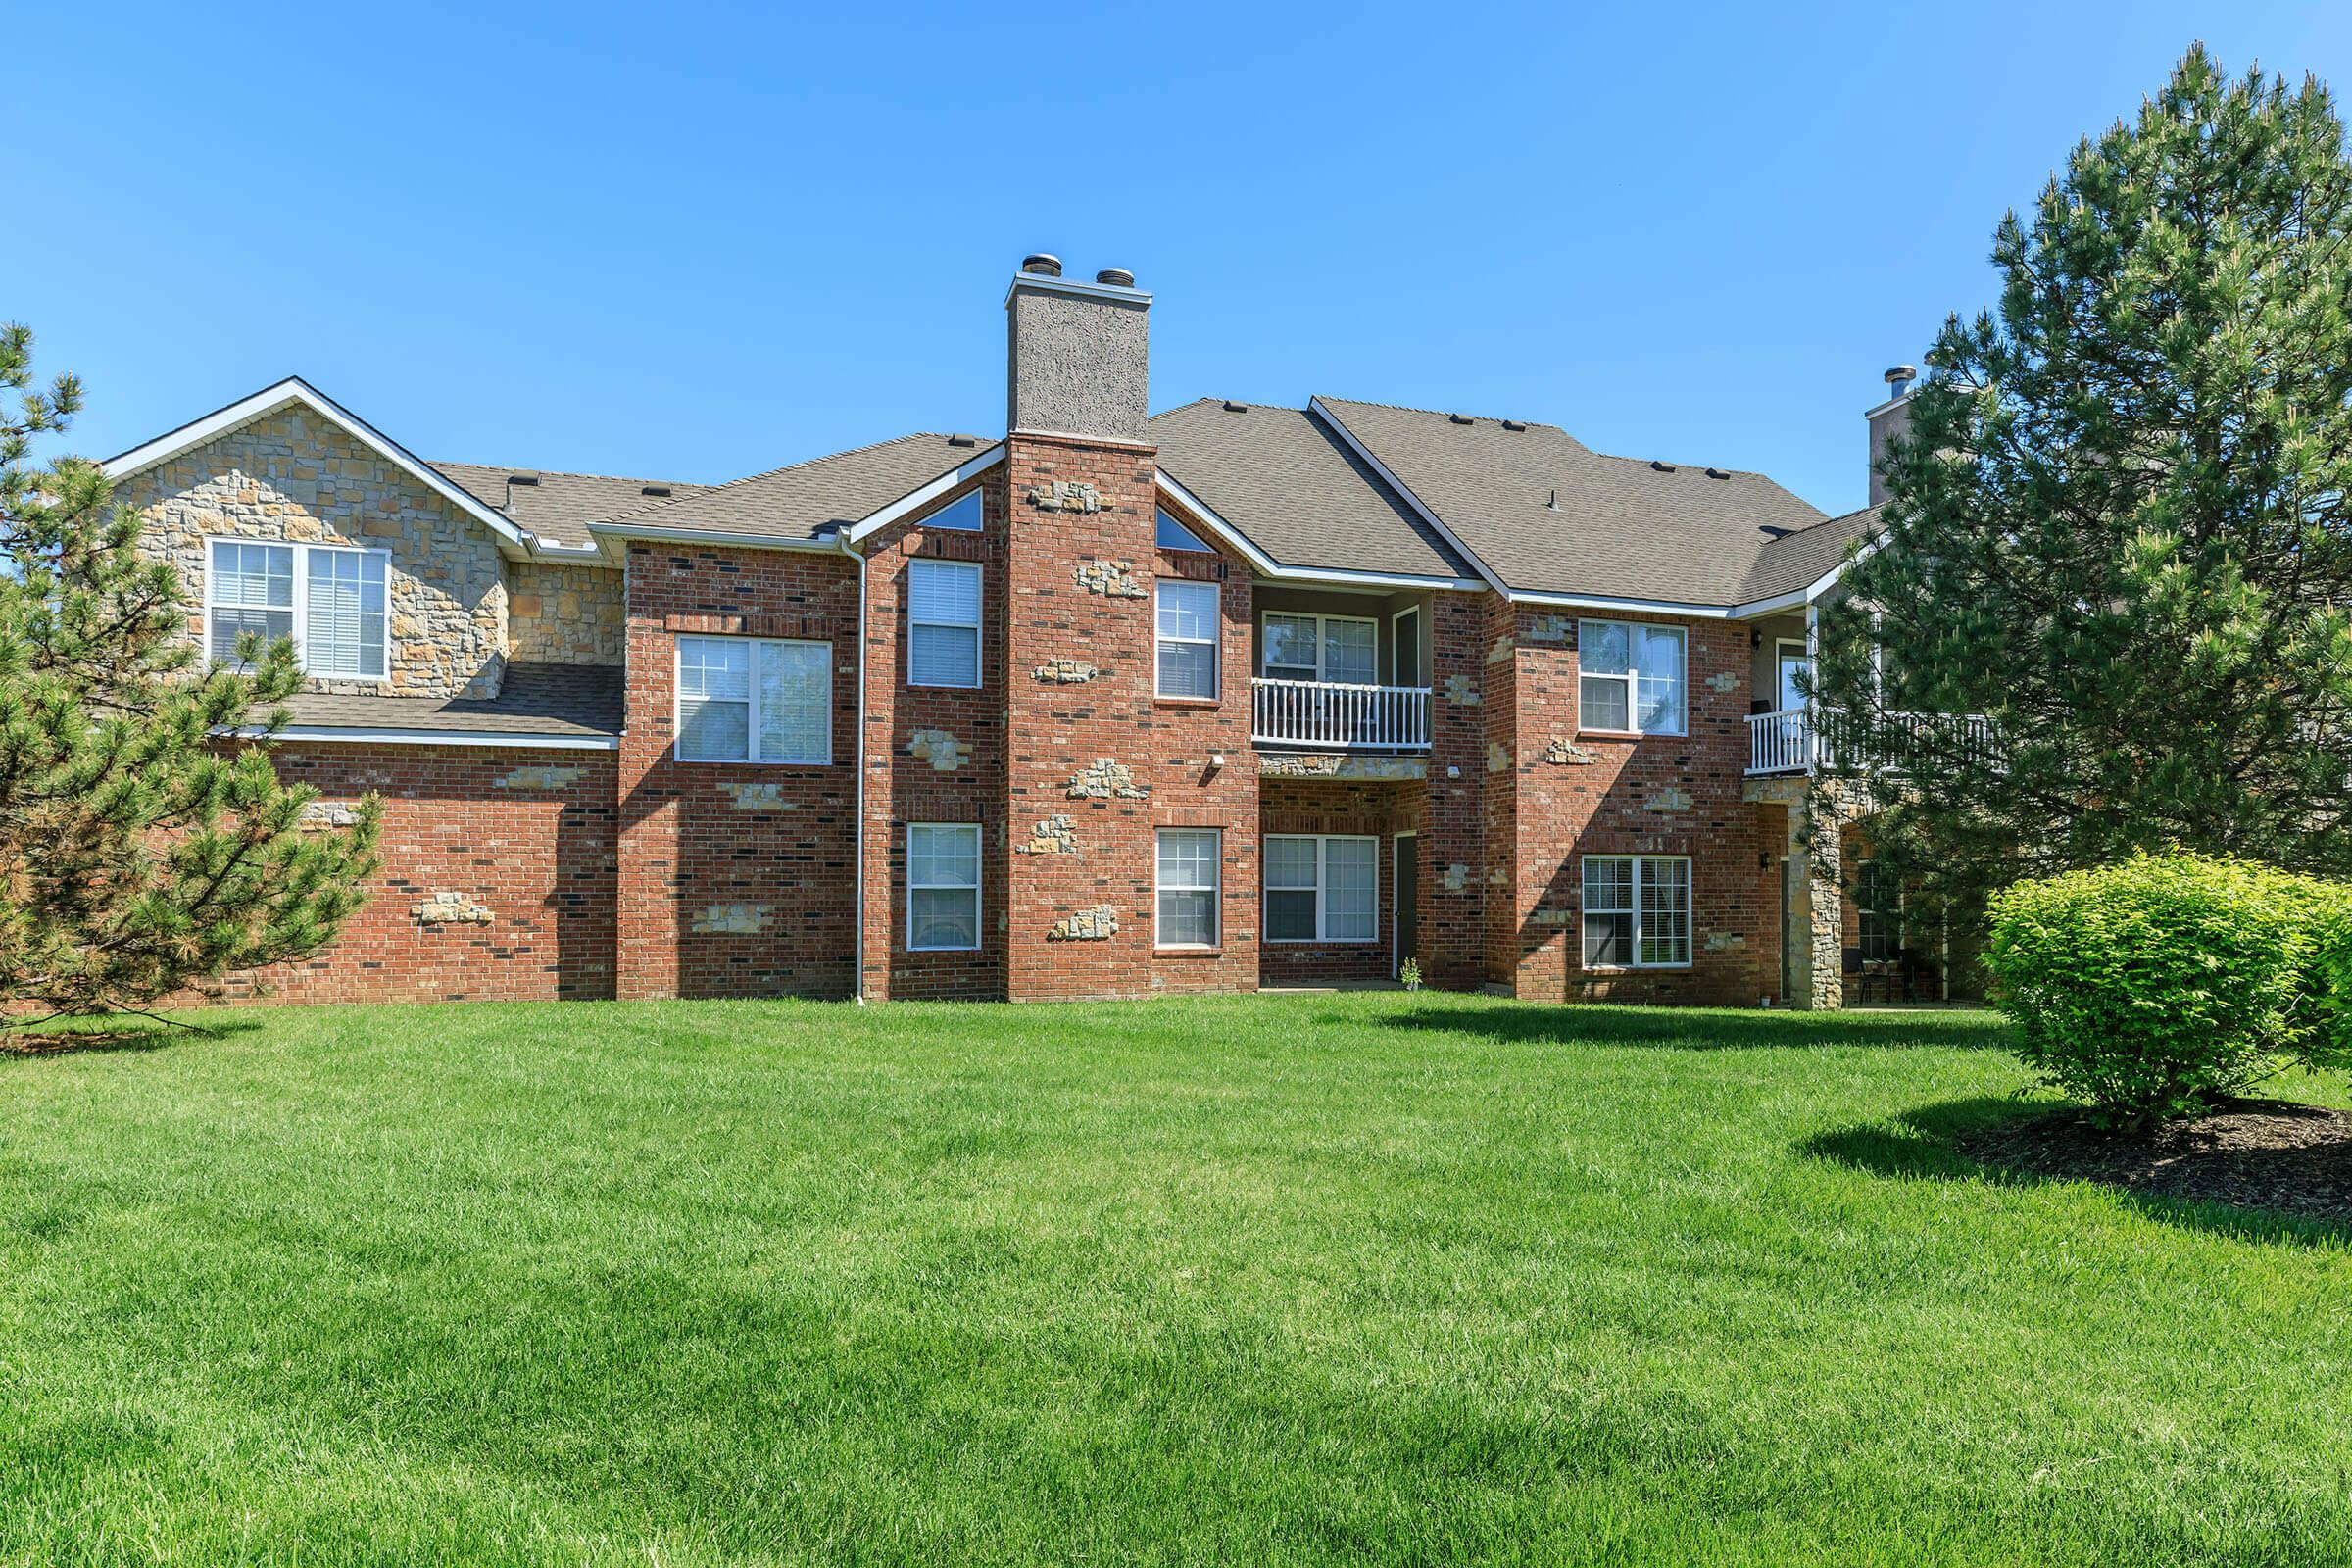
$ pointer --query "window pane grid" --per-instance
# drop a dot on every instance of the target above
(1632, 678)
(1189, 870)
(943, 886)
(1321, 888)
(754, 699)
(1637, 912)
(1188, 617)
(329, 599)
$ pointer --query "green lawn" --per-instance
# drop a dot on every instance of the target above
(1296, 1279)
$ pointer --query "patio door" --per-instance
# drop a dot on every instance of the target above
(1793, 666)
(1405, 926)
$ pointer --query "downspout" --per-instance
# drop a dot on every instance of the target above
(858, 984)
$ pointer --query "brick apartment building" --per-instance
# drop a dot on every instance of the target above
(1116, 705)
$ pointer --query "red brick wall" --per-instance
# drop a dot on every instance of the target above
(903, 787)
(1058, 730)
(526, 835)
(1380, 811)
(1612, 806)
(689, 843)
(1453, 921)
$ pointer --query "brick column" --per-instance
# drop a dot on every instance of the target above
(1452, 913)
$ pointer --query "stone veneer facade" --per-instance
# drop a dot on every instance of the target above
(293, 476)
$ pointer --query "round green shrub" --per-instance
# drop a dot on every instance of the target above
(2155, 986)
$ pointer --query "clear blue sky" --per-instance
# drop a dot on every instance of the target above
(697, 240)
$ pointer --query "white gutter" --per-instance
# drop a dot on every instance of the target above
(858, 750)
(705, 536)
(343, 734)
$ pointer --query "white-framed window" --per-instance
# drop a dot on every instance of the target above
(1631, 677)
(1189, 884)
(943, 623)
(329, 599)
(1637, 912)
(1338, 649)
(961, 515)
(943, 886)
(1190, 614)
(1322, 888)
(755, 700)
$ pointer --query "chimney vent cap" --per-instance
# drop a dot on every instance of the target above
(1661, 466)
(1042, 264)
(1461, 419)
(522, 478)
(1115, 277)
(653, 489)
(1232, 407)
(1900, 377)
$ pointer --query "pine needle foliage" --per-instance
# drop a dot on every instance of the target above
(147, 844)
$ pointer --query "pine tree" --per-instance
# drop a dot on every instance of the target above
(146, 842)
(2119, 527)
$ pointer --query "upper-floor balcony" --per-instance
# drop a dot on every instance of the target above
(1339, 715)
(1803, 740)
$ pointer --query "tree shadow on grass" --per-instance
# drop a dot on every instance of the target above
(96, 1037)
(1700, 1029)
(1963, 1140)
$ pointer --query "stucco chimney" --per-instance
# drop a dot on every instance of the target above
(1888, 421)
(1078, 355)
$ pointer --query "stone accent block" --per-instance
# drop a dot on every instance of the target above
(730, 919)
(1098, 924)
(1066, 672)
(1052, 836)
(452, 908)
(1107, 780)
(1115, 580)
(942, 751)
(1563, 753)
(1339, 766)
(1674, 797)
(1461, 691)
(760, 796)
(541, 777)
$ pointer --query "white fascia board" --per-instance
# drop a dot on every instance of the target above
(434, 737)
(1644, 607)
(1268, 566)
(707, 536)
(1315, 406)
(922, 495)
(294, 389)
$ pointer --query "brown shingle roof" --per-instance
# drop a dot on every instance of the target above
(811, 499)
(1619, 528)
(1802, 559)
(535, 699)
(560, 506)
(1297, 491)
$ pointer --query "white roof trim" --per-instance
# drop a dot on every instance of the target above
(1647, 606)
(1316, 406)
(1270, 568)
(829, 544)
(434, 737)
(913, 500)
(1049, 284)
(294, 389)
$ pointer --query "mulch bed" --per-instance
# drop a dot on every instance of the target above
(2250, 1153)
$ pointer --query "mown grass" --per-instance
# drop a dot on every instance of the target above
(1296, 1279)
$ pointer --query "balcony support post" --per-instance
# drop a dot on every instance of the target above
(1816, 901)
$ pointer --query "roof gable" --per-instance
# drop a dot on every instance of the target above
(294, 390)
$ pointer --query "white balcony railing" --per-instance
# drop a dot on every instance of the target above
(1313, 712)
(1792, 741)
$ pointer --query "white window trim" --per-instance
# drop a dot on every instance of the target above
(979, 876)
(1632, 678)
(302, 596)
(1215, 641)
(1641, 909)
(1264, 667)
(979, 619)
(1215, 889)
(1321, 891)
(678, 702)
